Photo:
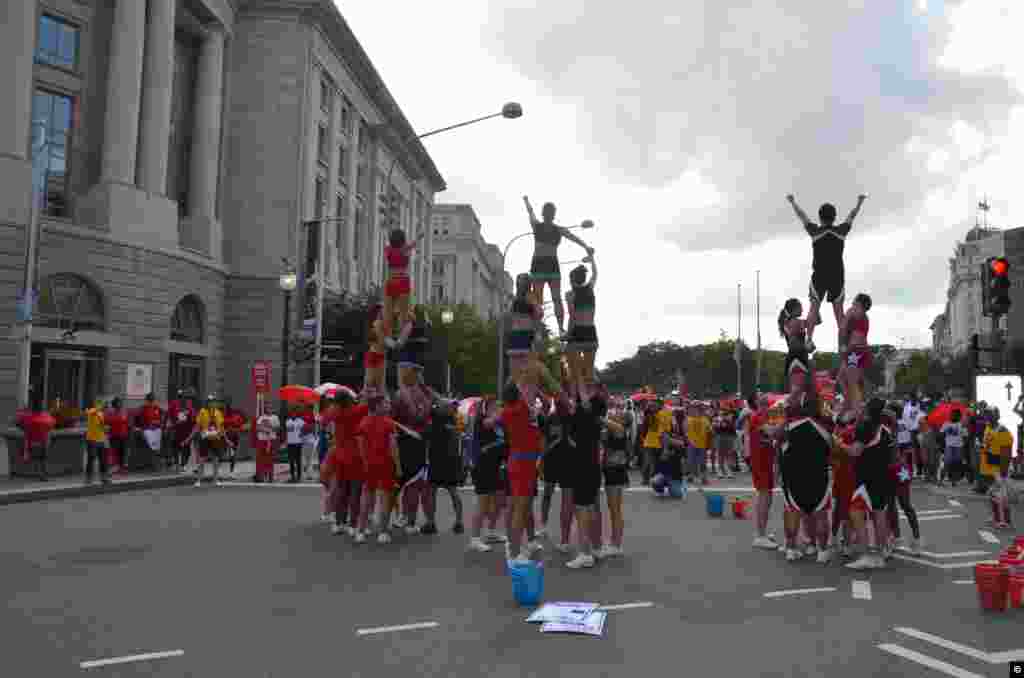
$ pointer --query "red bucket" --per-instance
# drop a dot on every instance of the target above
(1015, 591)
(739, 508)
(992, 582)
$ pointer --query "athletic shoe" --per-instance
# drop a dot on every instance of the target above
(429, 528)
(398, 522)
(782, 548)
(868, 561)
(810, 550)
(350, 531)
(564, 548)
(198, 483)
(326, 517)
(542, 532)
(384, 538)
(533, 546)
(611, 551)
(766, 543)
(583, 560)
(360, 537)
(477, 544)
(494, 537)
(411, 530)
(458, 528)
(825, 556)
(337, 529)
(793, 555)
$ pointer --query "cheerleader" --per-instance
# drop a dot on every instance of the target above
(375, 359)
(349, 467)
(581, 342)
(412, 410)
(523, 320)
(854, 353)
(793, 329)
(560, 449)
(806, 474)
(873, 451)
(398, 288)
(267, 427)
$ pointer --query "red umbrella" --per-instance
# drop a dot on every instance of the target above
(944, 412)
(643, 395)
(298, 395)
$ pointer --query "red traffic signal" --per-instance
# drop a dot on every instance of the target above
(1000, 267)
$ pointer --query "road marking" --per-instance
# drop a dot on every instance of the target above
(961, 554)
(943, 643)
(938, 517)
(392, 629)
(794, 592)
(942, 566)
(925, 660)
(988, 537)
(625, 606)
(1007, 657)
(130, 658)
(954, 502)
(278, 484)
(931, 511)
(861, 589)
(963, 581)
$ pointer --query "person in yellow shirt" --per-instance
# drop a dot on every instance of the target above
(994, 466)
(96, 442)
(657, 424)
(210, 438)
(698, 435)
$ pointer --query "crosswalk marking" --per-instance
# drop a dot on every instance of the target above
(861, 589)
(925, 660)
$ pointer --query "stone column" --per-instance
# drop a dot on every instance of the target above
(17, 45)
(207, 133)
(124, 83)
(158, 77)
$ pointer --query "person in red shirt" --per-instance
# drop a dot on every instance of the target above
(151, 421)
(762, 467)
(378, 449)
(37, 424)
(349, 468)
(235, 422)
(180, 422)
(526, 446)
(119, 430)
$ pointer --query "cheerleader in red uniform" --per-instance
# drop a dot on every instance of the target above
(398, 287)
(267, 430)
(900, 474)
(349, 469)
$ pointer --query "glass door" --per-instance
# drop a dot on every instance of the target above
(186, 374)
(64, 379)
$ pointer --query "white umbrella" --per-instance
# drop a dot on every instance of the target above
(330, 389)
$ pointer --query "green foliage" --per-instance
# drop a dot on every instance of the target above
(471, 346)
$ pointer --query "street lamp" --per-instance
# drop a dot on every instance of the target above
(287, 281)
(447, 317)
(587, 224)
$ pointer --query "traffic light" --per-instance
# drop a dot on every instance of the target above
(998, 286)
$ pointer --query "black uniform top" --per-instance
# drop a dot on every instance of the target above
(873, 464)
(828, 243)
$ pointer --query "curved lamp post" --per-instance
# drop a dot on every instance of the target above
(447, 318)
(287, 281)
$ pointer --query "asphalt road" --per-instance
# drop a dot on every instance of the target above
(246, 582)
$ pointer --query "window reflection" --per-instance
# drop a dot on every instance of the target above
(52, 116)
(58, 42)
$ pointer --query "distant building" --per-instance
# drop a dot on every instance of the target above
(466, 269)
(963, 316)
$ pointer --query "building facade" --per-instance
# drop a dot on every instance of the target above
(963, 317)
(466, 268)
(177, 147)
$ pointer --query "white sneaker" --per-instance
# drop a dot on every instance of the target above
(825, 556)
(398, 522)
(359, 537)
(865, 562)
(477, 544)
(326, 517)
(493, 537)
(411, 530)
(218, 483)
(384, 538)
(810, 550)
(580, 561)
(198, 484)
(542, 532)
(610, 551)
(766, 543)
(564, 548)
(534, 546)
(350, 531)
(793, 555)
(337, 529)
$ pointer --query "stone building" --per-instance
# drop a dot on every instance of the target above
(177, 146)
(466, 268)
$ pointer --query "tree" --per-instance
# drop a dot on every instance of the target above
(471, 345)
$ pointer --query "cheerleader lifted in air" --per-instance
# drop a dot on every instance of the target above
(794, 329)
(828, 279)
(544, 268)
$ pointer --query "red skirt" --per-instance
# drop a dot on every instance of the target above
(397, 287)
(372, 360)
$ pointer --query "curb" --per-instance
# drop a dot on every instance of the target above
(92, 490)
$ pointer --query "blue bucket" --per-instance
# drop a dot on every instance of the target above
(716, 505)
(527, 582)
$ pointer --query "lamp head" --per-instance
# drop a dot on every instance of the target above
(511, 110)
(288, 281)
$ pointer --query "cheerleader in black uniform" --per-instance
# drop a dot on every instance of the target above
(807, 473)
(872, 451)
(560, 451)
(793, 329)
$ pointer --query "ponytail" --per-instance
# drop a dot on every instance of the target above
(789, 311)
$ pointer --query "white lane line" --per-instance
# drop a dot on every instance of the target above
(795, 592)
(955, 503)
(960, 554)
(946, 644)
(625, 606)
(987, 536)
(401, 627)
(931, 511)
(963, 581)
(923, 519)
(942, 566)
(277, 484)
(1007, 657)
(861, 589)
(925, 660)
(96, 663)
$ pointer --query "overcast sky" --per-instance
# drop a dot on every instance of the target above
(679, 128)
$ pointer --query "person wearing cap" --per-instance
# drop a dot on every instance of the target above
(96, 442)
(209, 433)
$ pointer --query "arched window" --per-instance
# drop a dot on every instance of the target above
(187, 321)
(69, 302)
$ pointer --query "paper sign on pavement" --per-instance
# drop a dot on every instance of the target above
(592, 625)
(563, 613)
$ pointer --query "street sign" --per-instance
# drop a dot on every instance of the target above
(1001, 391)
(261, 376)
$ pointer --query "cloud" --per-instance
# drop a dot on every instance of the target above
(825, 100)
